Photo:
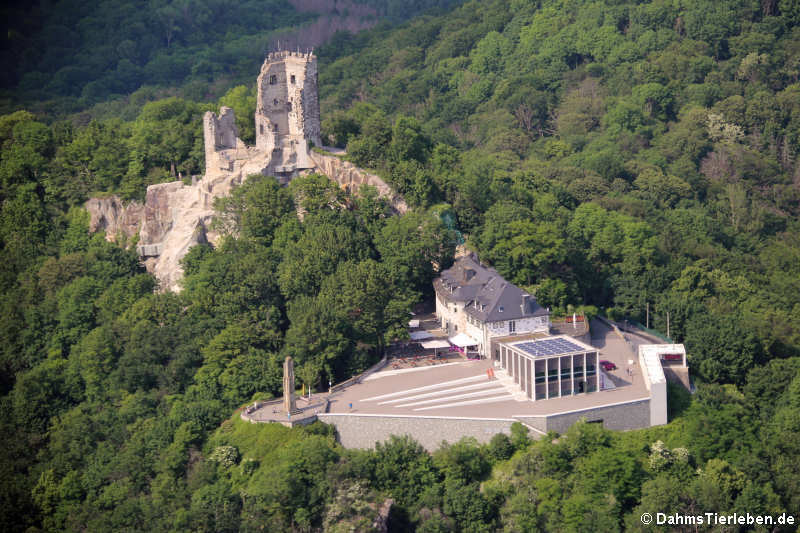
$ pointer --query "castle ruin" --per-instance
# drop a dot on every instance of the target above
(176, 216)
(286, 120)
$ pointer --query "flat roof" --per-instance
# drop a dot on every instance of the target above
(651, 359)
(659, 349)
(550, 346)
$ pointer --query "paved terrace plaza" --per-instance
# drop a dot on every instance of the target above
(462, 388)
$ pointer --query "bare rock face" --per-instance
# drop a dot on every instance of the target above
(176, 216)
(351, 178)
(381, 523)
(173, 218)
(110, 215)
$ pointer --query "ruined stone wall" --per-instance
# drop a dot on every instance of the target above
(312, 122)
(219, 134)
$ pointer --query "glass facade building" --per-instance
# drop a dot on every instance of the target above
(551, 367)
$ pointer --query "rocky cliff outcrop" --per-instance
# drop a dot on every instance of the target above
(352, 178)
(109, 214)
(173, 218)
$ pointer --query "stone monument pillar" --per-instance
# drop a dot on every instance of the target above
(288, 386)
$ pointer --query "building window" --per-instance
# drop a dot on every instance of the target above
(292, 79)
(512, 326)
(275, 102)
(273, 79)
(275, 128)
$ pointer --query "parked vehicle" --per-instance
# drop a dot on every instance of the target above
(608, 365)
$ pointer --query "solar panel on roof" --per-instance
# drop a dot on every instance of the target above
(549, 347)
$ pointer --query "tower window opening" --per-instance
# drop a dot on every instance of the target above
(292, 79)
(273, 79)
(261, 129)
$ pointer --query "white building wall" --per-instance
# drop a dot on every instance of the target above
(451, 314)
(523, 325)
(655, 382)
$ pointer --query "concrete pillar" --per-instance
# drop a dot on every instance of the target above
(597, 370)
(560, 393)
(546, 379)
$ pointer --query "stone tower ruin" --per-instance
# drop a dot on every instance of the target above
(286, 120)
(287, 109)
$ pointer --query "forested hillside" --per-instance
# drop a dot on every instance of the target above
(66, 56)
(609, 154)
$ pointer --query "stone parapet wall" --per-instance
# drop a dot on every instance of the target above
(355, 379)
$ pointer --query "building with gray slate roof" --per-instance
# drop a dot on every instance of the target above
(474, 304)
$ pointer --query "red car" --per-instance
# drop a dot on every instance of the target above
(608, 365)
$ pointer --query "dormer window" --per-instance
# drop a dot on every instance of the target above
(501, 308)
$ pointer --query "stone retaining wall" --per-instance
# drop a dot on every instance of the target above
(363, 431)
(626, 416)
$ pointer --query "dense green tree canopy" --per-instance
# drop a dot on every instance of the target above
(622, 155)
